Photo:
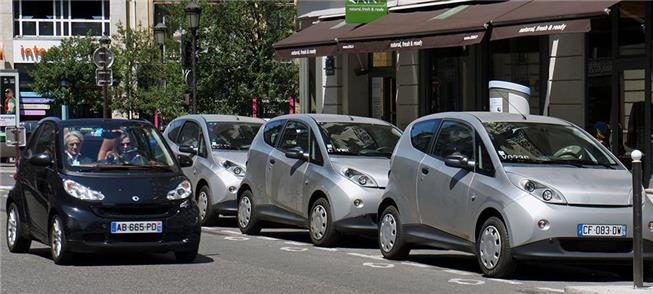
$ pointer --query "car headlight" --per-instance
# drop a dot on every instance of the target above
(542, 192)
(359, 178)
(235, 169)
(182, 191)
(82, 192)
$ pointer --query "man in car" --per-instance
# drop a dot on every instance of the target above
(73, 141)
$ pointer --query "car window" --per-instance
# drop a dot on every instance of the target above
(45, 142)
(190, 134)
(359, 139)
(315, 153)
(454, 138)
(232, 135)
(201, 147)
(484, 162)
(272, 130)
(422, 132)
(175, 126)
(294, 135)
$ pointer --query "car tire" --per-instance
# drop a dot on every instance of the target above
(321, 229)
(391, 240)
(14, 232)
(248, 222)
(493, 250)
(61, 254)
(204, 203)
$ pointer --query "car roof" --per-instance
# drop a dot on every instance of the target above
(320, 118)
(487, 116)
(223, 118)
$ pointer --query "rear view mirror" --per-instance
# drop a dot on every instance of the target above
(184, 160)
(41, 159)
(188, 149)
(459, 161)
(296, 153)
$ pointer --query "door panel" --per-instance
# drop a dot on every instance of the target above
(37, 188)
(287, 174)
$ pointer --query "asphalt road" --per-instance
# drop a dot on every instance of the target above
(280, 261)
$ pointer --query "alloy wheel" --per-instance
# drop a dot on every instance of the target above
(56, 237)
(490, 247)
(244, 211)
(12, 227)
(202, 203)
(388, 232)
(318, 222)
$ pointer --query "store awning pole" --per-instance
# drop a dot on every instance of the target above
(552, 65)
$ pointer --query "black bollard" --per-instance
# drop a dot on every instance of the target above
(638, 264)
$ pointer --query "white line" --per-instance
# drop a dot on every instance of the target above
(375, 257)
(6, 187)
(327, 249)
(296, 243)
(231, 232)
(294, 249)
(415, 264)
(267, 238)
(457, 272)
(551, 289)
(505, 281)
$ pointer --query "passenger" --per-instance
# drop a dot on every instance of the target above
(74, 140)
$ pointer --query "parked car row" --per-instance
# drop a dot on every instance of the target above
(508, 188)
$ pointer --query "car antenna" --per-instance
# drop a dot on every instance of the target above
(516, 109)
(351, 118)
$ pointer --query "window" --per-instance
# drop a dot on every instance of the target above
(484, 163)
(45, 141)
(272, 130)
(455, 139)
(201, 148)
(190, 135)
(175, 126)
(359, 139)
(315, 153)
(295, 135)
(232, 136)
(422, 133)
(61, 17)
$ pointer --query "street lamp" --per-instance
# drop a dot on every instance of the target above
(193, 15)
(160, 31)
(105, 41)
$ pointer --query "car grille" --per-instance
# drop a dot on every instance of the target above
(132, 212)
(147, 237)
(595, 245)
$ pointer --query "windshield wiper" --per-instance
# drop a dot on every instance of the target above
(562, 161)
(130, 166)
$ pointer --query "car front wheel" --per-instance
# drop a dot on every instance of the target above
(15, 242)
(493, 249)
(391, 241)
(321, 228)
(247, 218)
(58, 243)
(207, 213)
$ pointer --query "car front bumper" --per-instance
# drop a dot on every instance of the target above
(581, 250)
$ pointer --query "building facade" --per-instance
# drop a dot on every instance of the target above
(585, 62)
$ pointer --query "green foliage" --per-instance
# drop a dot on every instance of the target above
(67, 74)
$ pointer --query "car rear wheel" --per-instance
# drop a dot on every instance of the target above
(58, 243)
(208, 217)
(391, 240)
(247, 218)
(493, 249)
(15, 242)
(321, 229)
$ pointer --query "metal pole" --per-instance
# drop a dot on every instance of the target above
(17, 141)
(106, 96)
(194, 69)
(638, 266)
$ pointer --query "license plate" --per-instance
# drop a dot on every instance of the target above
(585, 230)
(136, 227)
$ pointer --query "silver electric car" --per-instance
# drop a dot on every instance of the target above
(508, 188)
(218, 145)
(322, 172)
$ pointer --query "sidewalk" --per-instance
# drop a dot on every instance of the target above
(622, 289)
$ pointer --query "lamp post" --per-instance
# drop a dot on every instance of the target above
(105, 41)
(160, 31)
(193, 11)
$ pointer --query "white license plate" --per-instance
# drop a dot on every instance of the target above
(585, 230)
(136, 227)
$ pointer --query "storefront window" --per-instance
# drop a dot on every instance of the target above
(382, 59)
(56, 17)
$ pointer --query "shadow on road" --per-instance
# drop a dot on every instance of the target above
(120, 259)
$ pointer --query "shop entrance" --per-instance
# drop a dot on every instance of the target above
(383, 87)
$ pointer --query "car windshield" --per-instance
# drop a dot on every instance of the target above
(343, 138)
(232, 136)
(111, 145)
(539, 143)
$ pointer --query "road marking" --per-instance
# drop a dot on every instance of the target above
(551, 289)
(236, 238)
(296, 243)
(415, 264)
(327, 249)
(376, 257)
(467, 282)
(267, 238)
(6, 187)
(231, 232)
(505, 281)
(379, 265)
(294, 249)
(457, 272)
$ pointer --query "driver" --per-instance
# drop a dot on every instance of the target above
(126, 152)
(74, 140)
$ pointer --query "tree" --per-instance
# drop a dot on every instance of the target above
(67, 74)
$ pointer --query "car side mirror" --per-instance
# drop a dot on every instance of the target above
(296, 153)
(188, 149)
(459, 161)
(184, 160)
(41, 159)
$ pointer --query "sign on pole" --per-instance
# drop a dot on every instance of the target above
(11, 140)
(364, 11)
(103, 56)
(103, 77)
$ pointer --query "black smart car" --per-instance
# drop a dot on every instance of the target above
(93, 185)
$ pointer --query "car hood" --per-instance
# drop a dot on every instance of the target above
(376, 167)
(583, 186)
(237, 157)
(121, 189)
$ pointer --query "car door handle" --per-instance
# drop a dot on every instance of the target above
(425, 171)
(272, 161)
